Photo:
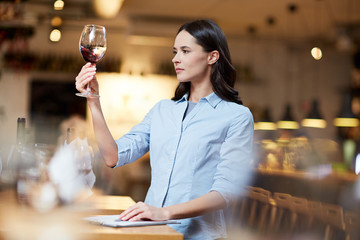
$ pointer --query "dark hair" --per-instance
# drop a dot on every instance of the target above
(209, 35)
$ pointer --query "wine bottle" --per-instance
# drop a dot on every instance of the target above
(70, 135)
(9, 176)
(20, 136)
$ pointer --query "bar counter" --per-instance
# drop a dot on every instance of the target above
(324, 186)
(23, 222)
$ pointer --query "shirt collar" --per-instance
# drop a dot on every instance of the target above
(212, 99)
(184, 98)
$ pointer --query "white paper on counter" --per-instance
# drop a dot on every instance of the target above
(114, 221)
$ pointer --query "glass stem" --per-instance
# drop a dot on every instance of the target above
(88, 89)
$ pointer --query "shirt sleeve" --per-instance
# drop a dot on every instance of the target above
(135, 143)
(233, 172)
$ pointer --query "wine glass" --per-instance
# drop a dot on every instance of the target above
(92, 48)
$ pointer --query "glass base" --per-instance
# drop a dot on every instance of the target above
(87, 95)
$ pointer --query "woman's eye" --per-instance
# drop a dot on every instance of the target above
(174, 52)
(185, 51)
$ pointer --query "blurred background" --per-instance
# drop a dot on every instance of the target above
(298, 70)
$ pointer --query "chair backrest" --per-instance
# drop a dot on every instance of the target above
(300, 205)
(315, 208)
(333, 215)
(259, 194)
(352, 221)
(283, 200)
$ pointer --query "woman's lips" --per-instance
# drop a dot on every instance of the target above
(179, 70)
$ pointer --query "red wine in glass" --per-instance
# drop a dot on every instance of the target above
(92, 46)
(92, 54)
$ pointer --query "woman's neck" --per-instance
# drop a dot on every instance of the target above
(199, 91)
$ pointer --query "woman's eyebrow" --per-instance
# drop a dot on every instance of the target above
(182, 47)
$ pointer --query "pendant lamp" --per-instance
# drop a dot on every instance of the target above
(266, 122)
(287, 121)
(314, 118)
(346, 118)
(107, 9)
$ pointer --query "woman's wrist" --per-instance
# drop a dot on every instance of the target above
(167, 213)
(93, 102)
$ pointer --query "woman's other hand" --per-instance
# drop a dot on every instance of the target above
(143, 211)
(85, 76)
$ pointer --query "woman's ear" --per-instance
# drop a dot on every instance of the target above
(213, 57)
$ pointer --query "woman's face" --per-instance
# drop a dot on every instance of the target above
(191, 62)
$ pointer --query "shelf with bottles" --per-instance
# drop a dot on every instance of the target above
(29, 61)
(298, 154)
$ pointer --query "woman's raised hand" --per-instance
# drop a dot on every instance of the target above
(85, 76)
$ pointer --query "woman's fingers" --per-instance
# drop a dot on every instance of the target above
(86, 74)
(143, 211)
(131, 212)
(139, 211)
(139, 217)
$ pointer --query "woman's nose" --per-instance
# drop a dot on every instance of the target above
(175, 59)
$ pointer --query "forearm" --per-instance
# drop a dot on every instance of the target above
(104, 139)
(199, 206)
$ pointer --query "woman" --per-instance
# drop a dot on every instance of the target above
(200, 141)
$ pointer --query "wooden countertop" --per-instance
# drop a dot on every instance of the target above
(22, 222)
(318, 174)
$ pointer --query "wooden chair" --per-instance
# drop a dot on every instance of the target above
(281, 215)
(259, 208)
(301, 214)
(252, 211)
(332, 216)
(316, 224)
(352, 225)
(240, 210)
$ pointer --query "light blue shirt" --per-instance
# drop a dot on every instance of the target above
(209, 150)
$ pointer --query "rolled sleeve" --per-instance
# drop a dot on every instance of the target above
(233, 171)
(135, 143)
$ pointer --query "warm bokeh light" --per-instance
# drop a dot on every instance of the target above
(287, 125)
(315, 123)
(150, 40)
(127, 98)
(55, 35)
(346, 122)
(107, 9)
(56, 21)
(264, 126)
(316, 53)
(58, 5)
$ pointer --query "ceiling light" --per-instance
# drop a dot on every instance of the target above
(55, 35)
(265, 123)
(58, 5)
(314, 123)
(316, 53)
(346, 122)
(108, 8)
(264, 126)
(287, 121)
(314, 118)
(56, 21)
(346, 117)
